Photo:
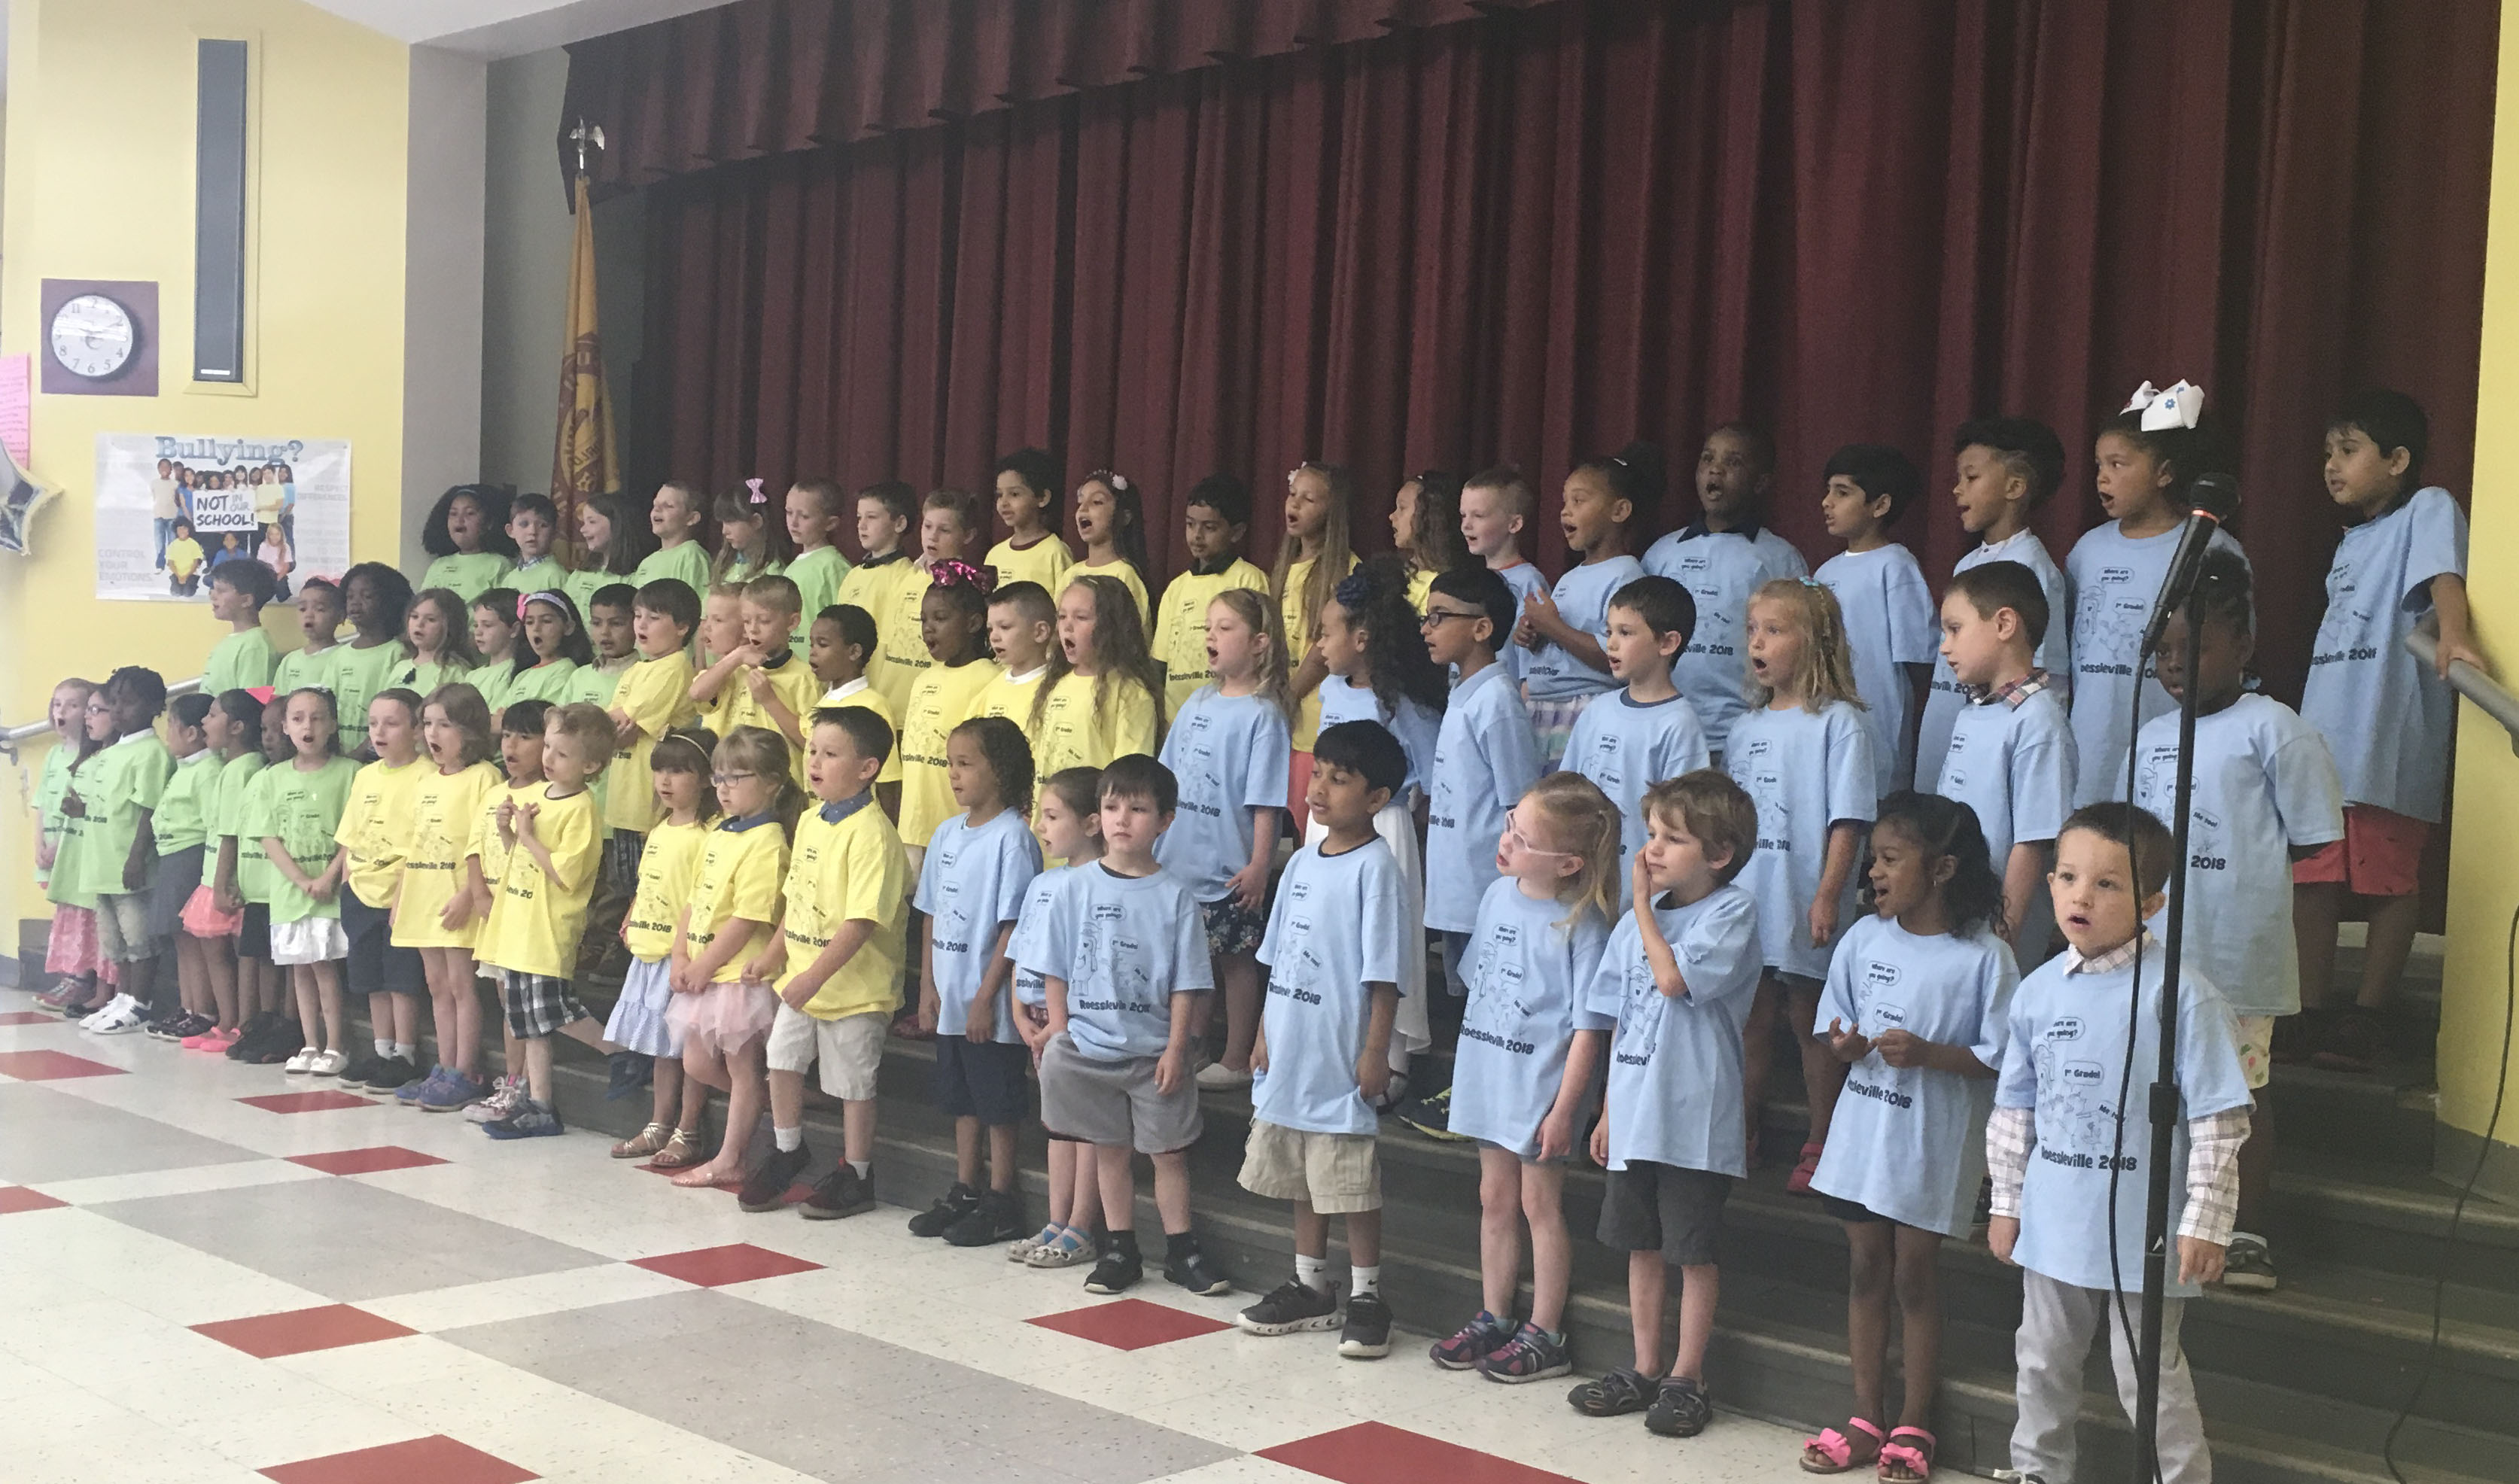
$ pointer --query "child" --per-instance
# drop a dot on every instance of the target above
(668, 866)
(730, 916)
(720, 635)
(885, 513)
(844, 644)
(374, 840)
(1647, 732)
(1101, 698)
(1426, 530)
(836, 964)
(229, 735)
(70, 953)
(555, 844)
(614, 544)
(1121, 971)
(2060, 1124)
(813, 520)
(1373, 646)
(674, 516)
(953, 622)
(1882, 592)
(1022, 630)
(555, 646)
(1337, 936)
(982, 866)
(466, 534)
(1486, 757)
(374, 597)
(1312, 559)
(2115, 571)
(2010, 755)
(1804, 755)
(1110, 520)
(243, 660)
(749, 543)
(1229, 748)
(1562, 629)
(946, 522)
(1216, 521)
(319, 621)
(301, 804)
(275, 1035)
(112, 796)
(178, 826)
(497, 625)
(1521, 1083)
(652, 698)
(439, 914)
(184, 558)
(1722, 557)
(2266, 796)
(273, 552)
(1068, 823)
(1026, 486)
(437, 642)
(521, 729)
(1495, 505)
(2007, 467)
(2387, 721)
(611, 632)
(533, 524)
(1915, 1008)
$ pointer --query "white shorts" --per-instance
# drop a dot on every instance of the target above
(309, 940)
(849, 1049)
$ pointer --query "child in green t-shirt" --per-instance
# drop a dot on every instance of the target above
(113, 795)
(302, 801)
(70, 954)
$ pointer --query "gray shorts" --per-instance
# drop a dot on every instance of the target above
(178, 875)
(122, 933)
(1115, 1104)
(1679, 1211)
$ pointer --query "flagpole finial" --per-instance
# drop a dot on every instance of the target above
(582, 136)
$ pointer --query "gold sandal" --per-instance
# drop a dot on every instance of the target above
(649, 1140)
(680, 1152)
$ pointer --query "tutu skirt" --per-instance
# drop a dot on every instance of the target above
(640, 1021)
(203, 919)
(71, 948)
(722, 1019)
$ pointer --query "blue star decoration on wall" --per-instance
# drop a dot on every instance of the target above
(20, 498)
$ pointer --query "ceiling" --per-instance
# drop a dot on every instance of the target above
(495, 28)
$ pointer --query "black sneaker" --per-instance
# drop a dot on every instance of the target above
(2249, 1267)
(1431, 1116)
(2355, 1041)
(1366, 1334)
(842, 1193)
(996, 1216)
(386, 1074)
(766, 1188)
(1680, 1408)
(948, 1211)
(1290, 1308)
(355, 1075)
(1192, 1271)
(631, 1071)
(252, 1031)
(166, 1026)
(1117, 1273)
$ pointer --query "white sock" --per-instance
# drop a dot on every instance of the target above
(1364, 1280)
(384, 1047)
(789, 1140)
(407, 1050)
(863, 1167)
(1312, 1273)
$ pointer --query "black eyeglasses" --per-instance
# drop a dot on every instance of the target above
(1435, 618)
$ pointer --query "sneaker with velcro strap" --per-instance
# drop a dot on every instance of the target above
(1366, 1334)
(1290, 1308)
(950, 1208)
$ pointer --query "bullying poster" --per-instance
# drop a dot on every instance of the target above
(170, 510)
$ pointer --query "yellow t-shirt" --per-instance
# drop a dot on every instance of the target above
(1010, 696)
(860, 692)
(843, 870)
(741, 868)
(1045, 561)
(901, 649)
(667, 868)
(485, 840)
(655, 694)
(444, 809)
(868, 585)
(1302, 626)
(1421, 587)
(535, 925)
(1077, 733)
(376, 825)
(1127, 577)
(792, 681)
(942, 702)
(1181, 627)
(183, 555)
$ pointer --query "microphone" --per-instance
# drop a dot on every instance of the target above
(2213, 496)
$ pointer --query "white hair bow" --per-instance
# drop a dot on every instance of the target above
(2178, 407)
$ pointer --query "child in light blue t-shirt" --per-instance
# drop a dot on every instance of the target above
(1648, 733)
(2007, 467)
(2010, 754)
(1560, 632)
(1888, 608)
(1495, 505)
(1722, 557)
(1485, 757)
(1067, 820)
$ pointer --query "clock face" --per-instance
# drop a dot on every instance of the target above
(92, 336)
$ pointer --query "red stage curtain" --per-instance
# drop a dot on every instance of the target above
(1535, 235)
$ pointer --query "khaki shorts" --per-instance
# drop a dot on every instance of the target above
(1333, 1173)
(849, 1049)
(2256, 1035)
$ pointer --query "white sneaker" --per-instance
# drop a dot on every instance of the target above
(1216, 1077)
(506, 1095)
(303, 1062)
(119, 1005)
(121, 1017)
(327, 1064)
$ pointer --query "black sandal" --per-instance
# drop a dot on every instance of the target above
(1615, 1394)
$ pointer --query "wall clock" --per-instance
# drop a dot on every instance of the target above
(92, 336)
(100, 337)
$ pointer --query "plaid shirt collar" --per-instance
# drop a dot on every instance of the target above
(2011, 695)
(2111, 961)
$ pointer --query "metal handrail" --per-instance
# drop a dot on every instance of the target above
(2485, 692)
(10, 738)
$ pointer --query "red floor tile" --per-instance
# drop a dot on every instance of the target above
(28, 1017)
(18, 1198)
(1130, 1324)
(714, 1267)
(306, 1101)
(1375, 1453)
(52, 1065)
(299, 1330)
(365, 1161)
(437, 1460)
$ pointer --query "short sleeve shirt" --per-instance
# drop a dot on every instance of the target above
(1486, 757)
(655, 694)
(1124, 946)
(1417, 728)
(1674, 1093)
(2377, 590)
(2115, 579)
(534, 920)
(1180, 627)
(817, 575)
(2014, 765)
(1045, 561)
(1080, 730)
(1626, 747)
(304, 670)
(843, 870)
(667, 868)
(688, 564)
(1029, 944)
(468, 574)
(1942, 697)
(1720, 569)
(376, 827)
(1230, 755)
(1806, 773)
(1889, 624)
(1528, 966)
(1582, 595)
(357, 676)
(441, 811)
(243, 661)
(182, 818)
(119, 783)
(741, 870)
(940, 701)
(302, 808)
(1340, 926)
(975, 880)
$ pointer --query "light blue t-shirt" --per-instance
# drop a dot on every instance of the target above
(1582, 596)
(2115, 580)
(1230, 755)
(1126, 945)
(973, 881)
(1340, 926)
(1805, 771)
(1674, 1094)
(2264, 785)
(1029, 944)
(1526, 967)
(1417, 728)
(1626, 747)
(2013, 764)
(1720, 571)
(1908, 1142)
(2378, 590)
(1889, 624)
(1524, 579)
(1485, 759)
(1942, 698)
(2064, 1055)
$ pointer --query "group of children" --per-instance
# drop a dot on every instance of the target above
(1652, 813)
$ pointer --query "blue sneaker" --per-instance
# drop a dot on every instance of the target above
(530, 1120)
(451, 1091)
(409, 1093)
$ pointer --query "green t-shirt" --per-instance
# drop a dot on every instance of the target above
(581, 587)
(553, 680)
(540, 575)
(817, 575)
(741, 571)
(357, 676)
(598, 681)
(68, 886)
(183, 817)
(302, 808)
(55, 781)
(425, 676)
(301, 668)
(239, 800)
(243, 661)
(491, 680)
(117, 784)
(688, 564)
(468, 575)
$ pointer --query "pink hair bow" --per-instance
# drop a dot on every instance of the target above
(758, 497)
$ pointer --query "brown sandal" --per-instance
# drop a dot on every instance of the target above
(680, 1152)
(649, 1140)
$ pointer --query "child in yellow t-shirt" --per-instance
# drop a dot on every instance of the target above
(669, 866)
(653, 696)
(1099, 700)
(713, 687)
(1023, 627)
(763, 681)
(182, 561)
(1027, 488)
(1218, 520)
(485, 860)
(843, 646)
(437, 913)
(885, 513)
(953, 615)
(374, 840)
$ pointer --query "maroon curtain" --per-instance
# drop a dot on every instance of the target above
(1535, 235)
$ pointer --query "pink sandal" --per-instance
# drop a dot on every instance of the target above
(1903, 1462)
(1835, 1449)
(1798, 1182)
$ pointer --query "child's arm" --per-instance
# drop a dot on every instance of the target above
(530, 837)
(729, 940)
(708, 682)
(1920, 686)
(1053, 992)
(1250, 884)
(1582, 1059)
(143, 846)
(2457, 629)
(1834, 868)
(1905, 1048)
(338, 869)
(845, 940)
(223, 887)
(2024, 871)
(678, 956)
(1539, 611)
(1171, 1068)
(931, 1005)
(1311, 672)
(1665, 964)
(287, 864)
(766, 696)
(1373, 1064)
(2212, 1193)
(2008, 1134)
(980, 1024)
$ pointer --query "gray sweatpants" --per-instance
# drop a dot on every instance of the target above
(2056, 1320)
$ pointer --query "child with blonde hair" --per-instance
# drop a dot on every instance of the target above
(437, 913)
(301, 804)
(438, 639)
(1068, 821)
(376, 838)
(1317, 552)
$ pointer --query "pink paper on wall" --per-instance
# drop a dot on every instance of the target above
(15, 372)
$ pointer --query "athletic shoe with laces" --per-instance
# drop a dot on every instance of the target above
(1191, 1270)
(355, 1075)
(841, 1193)
(1067, 1249)
(2249, 1266)
(1290, 1307)
(384, 1074)
(949, 1208)
(409, 1093)
(1531, 1355)
(1366, 1334)
(506, 1095)
(994, 1217)
(1431, 1116)
(328, 1063)
(766, 1188)
(530, 1120)
(302, 1062)
(1117, 1272)
(1470, 1343)
(455, 1090)
(1680, 1408)
(167, 1026)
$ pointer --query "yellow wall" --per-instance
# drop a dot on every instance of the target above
(98, 185)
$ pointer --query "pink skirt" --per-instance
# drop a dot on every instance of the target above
(72, 949)
(722, 1018)
(202, 918)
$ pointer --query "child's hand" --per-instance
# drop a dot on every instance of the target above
(1902, 1048)
(1258, 1054)
(455, 913)
(1822, 919)
(323, 887)
(931, 1009)
(229, 900)
(763, 966)
(2004, 1230)
(1372, 1077)
(525, 813)
(757, 680)
(507, 815)
(132, 875)
(1171, 1068)
(980, 1020)
(1557, 1134)
(1539, 618)
(1847, 1044)
(1250, 886)
(624, 730)
(1600, 1150)
(44, 853)
(73, 805)
(2199, 1260)
(681, 977)
(2448, 653)
(1643, 886)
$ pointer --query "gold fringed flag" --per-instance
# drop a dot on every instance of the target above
(585, 462)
